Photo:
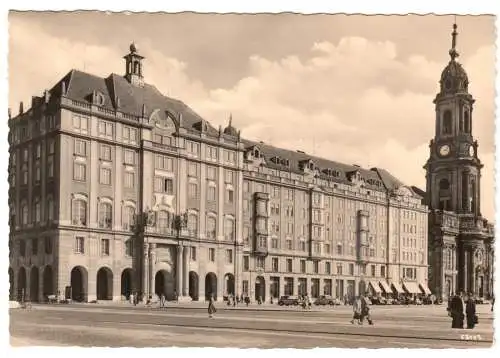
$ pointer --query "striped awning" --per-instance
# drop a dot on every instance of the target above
(385, 286)
(375, 287)
(411, 287)
(425, 288)
(398, 287)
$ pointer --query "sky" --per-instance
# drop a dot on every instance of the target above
(351, 88)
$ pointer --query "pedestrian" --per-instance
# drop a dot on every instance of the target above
(356, 307)
(162, 301)
(470, 312)
(456, 311)
(211, 307)
(365, 311)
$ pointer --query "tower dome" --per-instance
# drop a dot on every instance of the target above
(454, 78)
(230, 130)
(133, 47)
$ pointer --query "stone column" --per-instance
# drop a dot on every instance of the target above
(152, 268)
(145, 271)
(185, 275)
(179, 269)
(472, 271)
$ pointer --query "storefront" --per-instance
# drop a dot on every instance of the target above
(425, 289)
(411, 288)
(374, 289)
(397, 289)
(385, 288)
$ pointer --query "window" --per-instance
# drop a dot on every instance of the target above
(339, 249)
(212, 153)
(229, 195)
(315, 266)
(105, 152)
(105, 215)
(229, 176)
(382, 271)
(37, 211)
(129, 180)
(129, 248)
(164, 221)
(192, 224)
(80, 148)
(275, 264)
(274, 243)
(229, 229)
(211, 227)
(193, 170)
(245, 287)
(289, 265)
(229, 256)
(105, 129)
(105, 176)
(79, 245)
(211, 193)
(339, 269)
(80, 123)
(328, 249)
(22, 248)
(289, 244)
(38, 152)
(50, 167)
(129, 134)
(193, 190)
(129, 157)
(229, 156)
(211, 173)
(246, 263)
(79, 172)
(79, 212)
(34, 247)
(192, 147)
(25, 176)
(351, 269)
(128, 218)
(373, 270)
(260, 263)
(328, 268)
(164, 185)
(193, 253)
(303, 266)
(52, 146)
(47, 245)
(105, 247)
(163, 162)
(211, 255)
(50, 209)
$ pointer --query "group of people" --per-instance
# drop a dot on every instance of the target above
(361, 310)
(462, 307)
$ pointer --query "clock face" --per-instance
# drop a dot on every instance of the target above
(471, 151)
(444, 150)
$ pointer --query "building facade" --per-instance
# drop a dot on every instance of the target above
(115, 188)
(461, 241)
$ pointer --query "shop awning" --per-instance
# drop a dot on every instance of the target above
(425, 289)
(398, 287)
(375, 287)
(411, 287)
(385, 286)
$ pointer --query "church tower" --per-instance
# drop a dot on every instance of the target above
(457, 234)
(133, 67)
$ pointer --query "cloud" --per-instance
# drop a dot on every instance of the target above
(354, 101)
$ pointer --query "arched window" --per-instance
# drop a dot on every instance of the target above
(164, 221)
(444, 194)
(211, 227)
(467, 126)
(128, 218)
(192, 224)
(229, 229)
(24, 213)
(444, 184)
(105, 215)
(447, 122)
(79, 212)
(37, 211)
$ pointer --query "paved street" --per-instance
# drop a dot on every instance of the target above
(187, 325)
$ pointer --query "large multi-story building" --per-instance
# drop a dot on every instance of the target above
(116, 188)
(461, 241)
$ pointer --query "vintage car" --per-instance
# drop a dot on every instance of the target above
(325, 300)
(289, 301)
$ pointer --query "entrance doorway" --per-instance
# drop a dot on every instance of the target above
(34, 284)
(210, 286)
(126, 283)
(193, 286)
(260, 288)
(79, 282)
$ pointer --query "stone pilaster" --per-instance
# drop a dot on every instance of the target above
(152, 268)
(179, 269)
(185, 275)
(145, 271)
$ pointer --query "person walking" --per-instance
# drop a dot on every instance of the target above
(470, 312)
(456, 309)
(211, 307)
(356, 308)
(365, 310)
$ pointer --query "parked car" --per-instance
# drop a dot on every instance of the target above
(325, 300)
(379, 301)
(289, 301)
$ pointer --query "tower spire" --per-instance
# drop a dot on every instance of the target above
(453, 51)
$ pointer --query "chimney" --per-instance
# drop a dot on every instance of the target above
(21, 108)
(47, 96)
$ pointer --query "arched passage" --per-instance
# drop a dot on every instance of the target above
(126, 283)
(21, 284)
(165, 284)
(48, 281)
(104, 284)
(79, 284)
(193, 286)
(210, 286)
(34, 283)
(229, 284)
(260, 288)
(11, 284)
